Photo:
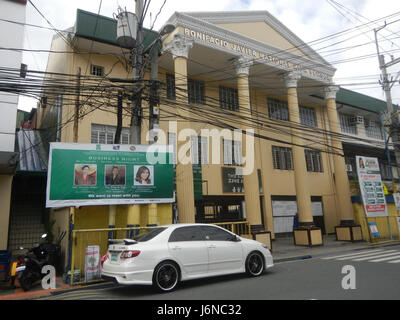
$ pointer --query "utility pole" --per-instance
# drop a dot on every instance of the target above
(117, 138)
(392, 117)
(77, 103)
(137, 63)
(154, 84)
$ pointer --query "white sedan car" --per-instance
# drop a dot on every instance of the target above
(169, 254)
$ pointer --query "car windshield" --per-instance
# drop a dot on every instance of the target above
(149, 235)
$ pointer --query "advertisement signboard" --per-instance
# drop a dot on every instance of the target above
(371, 187)
(232, 180)
(396, 197)
(90, 174)
(92, 263)
(373, 229)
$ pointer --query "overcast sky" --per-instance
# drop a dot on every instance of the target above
(308, 19)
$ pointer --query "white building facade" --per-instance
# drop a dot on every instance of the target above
(12, 36)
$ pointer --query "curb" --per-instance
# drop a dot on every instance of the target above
(370, 245)
(83, 287)
(293, 258)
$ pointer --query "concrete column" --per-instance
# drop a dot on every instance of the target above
(133, 220)
(299, 162)
(111, 220)
(152, 217)
(250, 181)
(179, 46)
(342, 184)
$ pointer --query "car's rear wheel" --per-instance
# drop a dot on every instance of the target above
(166, 276)
(254, 264)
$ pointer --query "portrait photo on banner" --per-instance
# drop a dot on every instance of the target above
(143, 175)
(85, 174)
(115, 175)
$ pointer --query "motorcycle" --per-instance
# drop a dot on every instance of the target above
(8, 267)
(41, 254)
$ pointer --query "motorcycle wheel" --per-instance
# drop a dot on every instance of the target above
(25, 281)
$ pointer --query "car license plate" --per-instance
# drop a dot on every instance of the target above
(114, 257)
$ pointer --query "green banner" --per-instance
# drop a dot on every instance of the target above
(86, 174)
(197, 182)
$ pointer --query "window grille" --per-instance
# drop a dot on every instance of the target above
(373, 129)
(307, 116)
(102, 134)
(282, 158)
(199, 150)
(196, 92)
(228, 98)
(97, 70)
(278, 109)
(313, 161)
(232, 152)
(346, 124)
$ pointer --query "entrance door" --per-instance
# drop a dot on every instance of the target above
(318, 215)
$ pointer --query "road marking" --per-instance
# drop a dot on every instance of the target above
(351, 254)
(377, 256)
(396, 261)
(385, 259)
(366, 255)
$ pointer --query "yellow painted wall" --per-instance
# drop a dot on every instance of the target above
(96, 217)
(5, 198)
(275, 182)
(62, 219)
(381, 222)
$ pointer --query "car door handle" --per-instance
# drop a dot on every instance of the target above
(176, 248)
(212, 246)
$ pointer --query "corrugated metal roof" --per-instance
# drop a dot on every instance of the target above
(31, 152)
(104, 29)
(358, 100)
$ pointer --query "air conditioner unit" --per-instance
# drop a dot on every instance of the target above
(357, 120)
(349, 168)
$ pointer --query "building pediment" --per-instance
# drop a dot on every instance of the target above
(257, 35)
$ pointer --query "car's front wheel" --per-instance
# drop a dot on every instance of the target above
(254, 264)
(166, 276)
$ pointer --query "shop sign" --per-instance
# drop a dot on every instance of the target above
(232, 180)
(374, 229)
(90, 174)
(371, 187)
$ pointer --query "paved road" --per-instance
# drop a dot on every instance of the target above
(376, 277)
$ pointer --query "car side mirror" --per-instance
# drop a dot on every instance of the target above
(235, 238)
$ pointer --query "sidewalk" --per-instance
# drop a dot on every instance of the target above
(283, 249)
(6, 293)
